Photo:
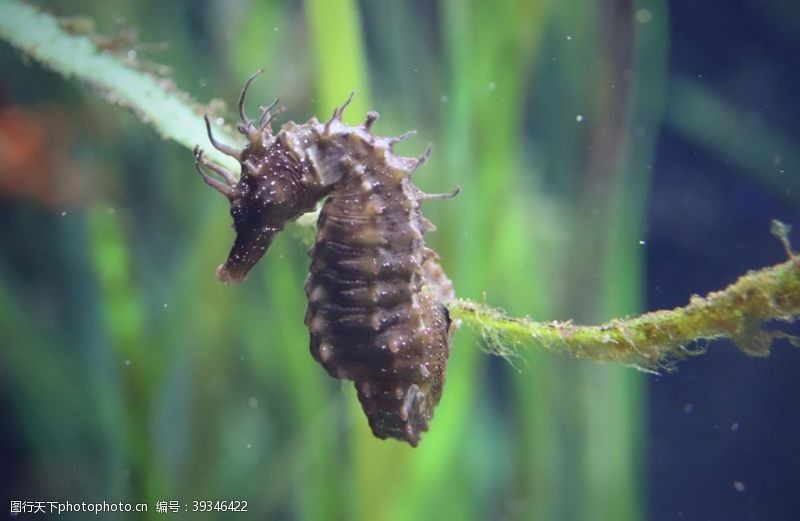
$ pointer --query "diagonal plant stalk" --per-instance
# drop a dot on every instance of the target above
(651, 341)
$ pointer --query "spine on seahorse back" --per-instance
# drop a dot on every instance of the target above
(376, 293)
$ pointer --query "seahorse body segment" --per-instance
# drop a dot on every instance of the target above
(376, 293)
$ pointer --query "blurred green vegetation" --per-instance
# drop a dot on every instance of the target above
(133, 375)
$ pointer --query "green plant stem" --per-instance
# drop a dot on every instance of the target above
(155, 100)
(650, 341)
(657, 339)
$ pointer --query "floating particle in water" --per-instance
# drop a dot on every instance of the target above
(738, 486)
(642, 242)
(579, 118)
(735, 426)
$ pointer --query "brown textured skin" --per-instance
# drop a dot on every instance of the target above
(370, 319)
(375, 291)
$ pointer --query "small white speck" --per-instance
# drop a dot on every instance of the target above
(688, 408)
(249, 445)
(642, 242)
(64, 213)
(739, 486)
(579, 118)
(275, 29)
(569, 37)
(735, 426)
(166, 305)
(127, 362)
(219, 121)
(644, 16)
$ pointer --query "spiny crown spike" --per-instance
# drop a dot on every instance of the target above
(372, 117)
(216, 184)
(222, 147)
(338, 111)
(243, 94)
(267, 115)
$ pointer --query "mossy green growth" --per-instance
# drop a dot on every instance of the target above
(655, 340)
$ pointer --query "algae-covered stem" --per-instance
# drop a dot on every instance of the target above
(154, 99)
(657, 339)
(650, 341)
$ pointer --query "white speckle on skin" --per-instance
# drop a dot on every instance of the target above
(325, 351)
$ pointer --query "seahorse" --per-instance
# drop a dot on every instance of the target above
(376, 293)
